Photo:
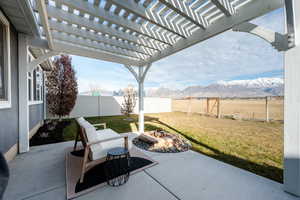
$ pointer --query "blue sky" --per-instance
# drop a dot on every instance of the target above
(229, 56)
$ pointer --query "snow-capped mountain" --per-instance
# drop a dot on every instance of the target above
(238, 88)
(255, 83)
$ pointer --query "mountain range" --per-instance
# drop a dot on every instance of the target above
(237, 88)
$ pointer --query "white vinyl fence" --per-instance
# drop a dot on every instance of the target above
(89, 106)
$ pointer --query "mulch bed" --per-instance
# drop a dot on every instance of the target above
(51, 132)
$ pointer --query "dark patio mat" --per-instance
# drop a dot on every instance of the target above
(95, 177)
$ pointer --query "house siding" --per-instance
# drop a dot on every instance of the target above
(36, 115)
(9, 117)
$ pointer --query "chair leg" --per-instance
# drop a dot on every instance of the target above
(126, 142)
(86, 154)
(76, 140)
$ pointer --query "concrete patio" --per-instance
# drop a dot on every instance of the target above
(40, 174)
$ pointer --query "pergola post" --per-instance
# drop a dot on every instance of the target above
(23, 95)
(292, 102)
(141, 100)
(140, 78)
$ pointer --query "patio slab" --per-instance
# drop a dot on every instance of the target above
(191, 175)
(40, 174)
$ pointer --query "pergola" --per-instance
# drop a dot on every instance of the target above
(136, 33)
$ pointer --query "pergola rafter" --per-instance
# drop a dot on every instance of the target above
(145, 31)
(92, 25)
(70, 48)
(44, 20)
(146, 14)
(246, 13)
(99, 38)
(225, 6)
(182, 8)
(102, 47)
(86, 7)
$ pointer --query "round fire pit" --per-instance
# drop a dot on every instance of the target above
(162, 142)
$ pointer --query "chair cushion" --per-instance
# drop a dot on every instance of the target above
(90, 131)
(100, 150)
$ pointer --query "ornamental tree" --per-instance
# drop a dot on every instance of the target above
(129, 101)
(62, 87)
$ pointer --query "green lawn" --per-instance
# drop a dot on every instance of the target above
(254, 146)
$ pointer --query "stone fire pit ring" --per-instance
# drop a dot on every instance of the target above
(162, 142)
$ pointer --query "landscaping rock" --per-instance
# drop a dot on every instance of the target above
(166, 142)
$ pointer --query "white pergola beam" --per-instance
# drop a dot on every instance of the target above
(225, 6)
(41, 6)
(89, 8)
(146, 14)
(84, 22)
(33, 64)
(38, 43)
(186, 11)
(277, 40)
(247, 13)
(96, 37)
(99, 46)
(69, 48)
(147, 68)
(133, 72)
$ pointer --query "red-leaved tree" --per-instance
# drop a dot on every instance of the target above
(61, 87)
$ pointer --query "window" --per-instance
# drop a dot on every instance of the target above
(4, 63)
(36, 86)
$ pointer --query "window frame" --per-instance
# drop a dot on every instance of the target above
(4, 104)
(33, 85)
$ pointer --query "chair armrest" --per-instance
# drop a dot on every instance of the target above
(100, 124)
(125, 136)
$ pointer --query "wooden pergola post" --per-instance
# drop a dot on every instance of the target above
(207, 106)
(218, 108)
(267, 109)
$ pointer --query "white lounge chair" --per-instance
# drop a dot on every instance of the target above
(97, 143)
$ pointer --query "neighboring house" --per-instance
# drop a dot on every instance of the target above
(13, 21)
